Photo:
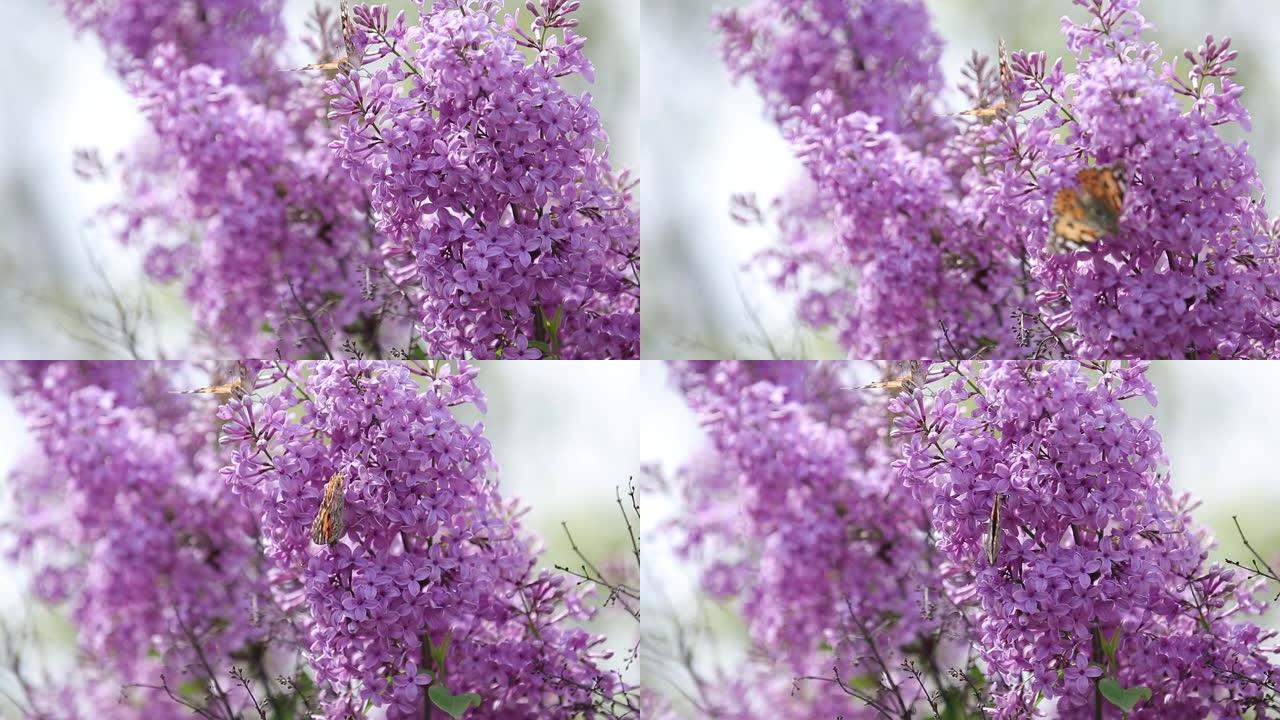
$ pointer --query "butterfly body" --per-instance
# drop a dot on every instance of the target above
(1083, 214)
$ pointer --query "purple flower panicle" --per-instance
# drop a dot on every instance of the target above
(472, 213)
(920, 232)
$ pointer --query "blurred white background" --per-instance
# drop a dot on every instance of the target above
(60, 96)
(1217, 420)
(565, 436)
(706, 138)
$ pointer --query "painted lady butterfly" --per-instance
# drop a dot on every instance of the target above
(348, 60)
(1082, 215)
(329, 523)
(994, 531)
(234, 387)
(912, 375)
(1004, 105)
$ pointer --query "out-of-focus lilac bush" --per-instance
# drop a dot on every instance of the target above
(917, 231)
(179, 532)
(991, 539)
(470, 212)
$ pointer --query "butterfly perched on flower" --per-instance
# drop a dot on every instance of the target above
(329, 523)
(1083, 214)
(994, 536)
(230, 388)
(913, 374)
(236, 386)
(1004, 105)
(348, 59)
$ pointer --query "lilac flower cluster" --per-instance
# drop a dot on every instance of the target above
(232, 191)
(1012, 548)
(431, 581)
(218, 33)
(492, 181)
(284, 257)
(878, 58)
(114, 509)
(920, 234)
(485, 221)
(795, 513)
(1057, 521)
(212, 564)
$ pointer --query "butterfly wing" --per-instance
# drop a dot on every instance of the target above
(1071, 225)
(994, 536)
(1082, 215)
(1104, 190)
(330, 521)
(988, 112)
(230, 388)
(334, 66)
(910, 375)
(348, 32)
(1006, 72)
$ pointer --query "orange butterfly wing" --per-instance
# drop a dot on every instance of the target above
(1071, 226)
(1081, 216)
(1104, 186)
(329, 523)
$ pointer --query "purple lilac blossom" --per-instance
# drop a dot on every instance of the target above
(432, 556)
(176, 529)
(291, 238)
(218, 33)
(919, 233)
(112, 509)
(284, 255)
(1092, 546)
(850, 549)
(492, 181)
(794, 513)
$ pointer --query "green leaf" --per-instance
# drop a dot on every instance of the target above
(864, 682)
(192, 688)
(1110, 644)
(284, 706)
(439, 653)
(977, 677)
(304, 684)
(954, 704)
(1120, 696)
(455, 705)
